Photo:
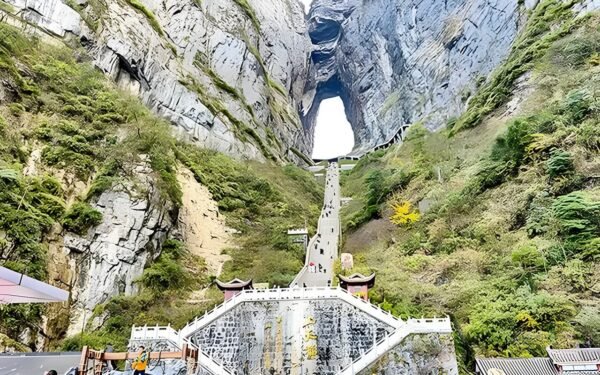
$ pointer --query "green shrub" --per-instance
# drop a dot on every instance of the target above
(539, 216)
(80, 217)
(490, 175)
(578, 217)
(511, 146)
(576, 106)
(575, 50)
(499, 321)
(588, 325)
(588, 135)
(529, 259)
(559, 164)
(166, 273)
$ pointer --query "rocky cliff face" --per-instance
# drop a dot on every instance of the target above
(109, 259)
(418, 354)
(397, 62)
(227, 75)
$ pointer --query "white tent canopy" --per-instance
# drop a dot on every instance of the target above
(18, 288)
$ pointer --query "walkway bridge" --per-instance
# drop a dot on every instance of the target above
(289, 321)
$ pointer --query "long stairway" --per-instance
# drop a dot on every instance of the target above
(311, 283)
(322, 249)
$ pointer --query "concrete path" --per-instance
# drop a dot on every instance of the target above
(323, 247)
(37, 363)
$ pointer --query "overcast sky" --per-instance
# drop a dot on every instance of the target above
(306, 4)
(333, 133)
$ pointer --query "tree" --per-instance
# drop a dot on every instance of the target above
(404, 213)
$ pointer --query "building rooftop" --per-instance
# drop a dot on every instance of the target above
(234, 284)
(515, 366)
(358, 278)
(580, 361)
(574, 356)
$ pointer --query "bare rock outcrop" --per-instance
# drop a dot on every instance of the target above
(229, 77)
(398, 62)
(111, 257)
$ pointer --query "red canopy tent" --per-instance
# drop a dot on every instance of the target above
(18, 288)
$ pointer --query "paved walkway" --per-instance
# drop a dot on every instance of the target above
(37, 363)
(323, 247)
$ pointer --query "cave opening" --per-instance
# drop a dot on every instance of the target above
(333, 134)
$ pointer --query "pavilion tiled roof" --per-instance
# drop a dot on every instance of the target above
(357, 278)
(516, 366)
(234, 284)
(574, 356)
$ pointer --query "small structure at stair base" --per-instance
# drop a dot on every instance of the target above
(577, 361)
(233, 287)
(358, 284)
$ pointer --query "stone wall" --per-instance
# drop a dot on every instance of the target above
(292, 337)
(430, 354)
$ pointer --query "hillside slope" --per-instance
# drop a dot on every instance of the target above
(496, 219)
(90, 200)
(225, 73)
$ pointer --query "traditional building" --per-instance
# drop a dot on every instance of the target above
(582, 361)
(576, 361)
(358, 284)
(299, 236)
(233, 287)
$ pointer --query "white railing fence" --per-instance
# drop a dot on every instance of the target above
(383, 346)
(401, 328)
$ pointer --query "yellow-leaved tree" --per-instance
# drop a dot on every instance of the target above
(404, 213)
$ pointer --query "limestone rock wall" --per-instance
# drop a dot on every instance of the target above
(396, 62)
(319, 336)
(431, 354)
(229, 78)
(109, 259)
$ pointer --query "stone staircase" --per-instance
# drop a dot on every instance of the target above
(396, 329)
(402, 328)
(383, 346)
(167, 333)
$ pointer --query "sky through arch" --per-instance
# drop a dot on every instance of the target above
(333, 133)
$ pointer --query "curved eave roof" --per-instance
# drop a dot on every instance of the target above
(358, 278)
(574, 356)
(234, 284)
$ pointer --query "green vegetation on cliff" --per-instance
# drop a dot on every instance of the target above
(261, 201)
(508, 242)
(67, 134)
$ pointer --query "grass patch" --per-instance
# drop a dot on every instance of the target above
(80, 218)
(250, 13)
(148, 14)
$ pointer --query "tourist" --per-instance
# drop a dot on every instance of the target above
(111, 364)
(141, 362)
(51, 372)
